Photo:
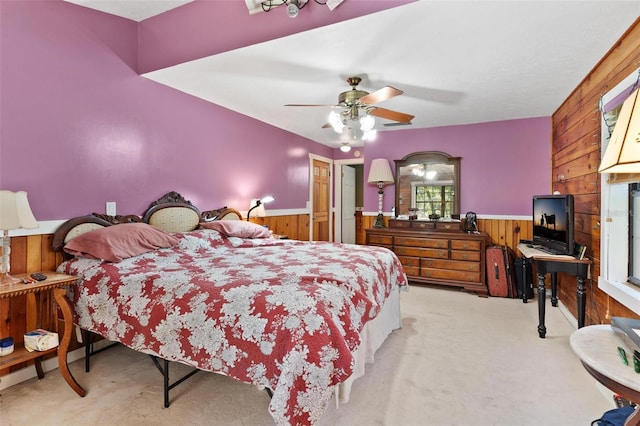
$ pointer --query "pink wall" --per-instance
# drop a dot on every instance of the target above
(205, 27)
(79, 127)
(503, 163)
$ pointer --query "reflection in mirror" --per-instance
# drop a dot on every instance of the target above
(428, 185)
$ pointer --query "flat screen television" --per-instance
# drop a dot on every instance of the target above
(553, 223)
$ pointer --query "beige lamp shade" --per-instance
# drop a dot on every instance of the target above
(15, 212)
(258, 211)
(623, 151)
(380, 172)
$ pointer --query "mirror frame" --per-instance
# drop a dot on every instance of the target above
(431, 157)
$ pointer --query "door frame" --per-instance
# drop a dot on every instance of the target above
(337, 169)
(310, 206)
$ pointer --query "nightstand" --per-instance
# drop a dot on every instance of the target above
(55, 282)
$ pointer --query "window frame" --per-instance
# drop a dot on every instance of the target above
(615, 222)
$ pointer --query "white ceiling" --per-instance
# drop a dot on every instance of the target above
(136, 10)
(458, 62)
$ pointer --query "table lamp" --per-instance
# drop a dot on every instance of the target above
(380, 174)
(259, 205)
(15, 213)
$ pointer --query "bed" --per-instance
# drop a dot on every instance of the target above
(220, 294)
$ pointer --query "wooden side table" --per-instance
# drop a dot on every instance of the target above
(597, 348)
(549, 263)
(55, 282)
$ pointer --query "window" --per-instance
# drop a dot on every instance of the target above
(433, 198)
(620, 215)
(634, 233)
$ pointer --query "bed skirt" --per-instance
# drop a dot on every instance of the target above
(372, 336)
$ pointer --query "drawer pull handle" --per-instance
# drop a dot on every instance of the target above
(465, 256)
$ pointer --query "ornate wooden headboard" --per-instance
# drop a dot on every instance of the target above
(171, 213)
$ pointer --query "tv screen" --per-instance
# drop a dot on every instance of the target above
(553, 223)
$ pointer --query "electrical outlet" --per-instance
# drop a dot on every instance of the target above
(111, 208)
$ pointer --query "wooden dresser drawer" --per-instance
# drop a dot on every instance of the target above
(409, 261)
(393, 223)
(449, 226)
(421, 242)
(451, 264)
(422, 252)
(423, 225)
(465, 255)
(385, 240)
(444, 274)
(465, 245)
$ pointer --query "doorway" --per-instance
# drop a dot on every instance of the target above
(349, 200)
(320, 223)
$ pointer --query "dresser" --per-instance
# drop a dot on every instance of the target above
(436, 252)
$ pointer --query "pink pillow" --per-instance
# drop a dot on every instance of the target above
(237, 228)
(118, 242)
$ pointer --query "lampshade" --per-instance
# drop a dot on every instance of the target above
(15, 212)
(380, 171)
(623, 151)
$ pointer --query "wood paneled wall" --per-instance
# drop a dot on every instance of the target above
(296, 227)
(575, 159)
(18, 314)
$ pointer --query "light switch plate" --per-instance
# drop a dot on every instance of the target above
(111, 208)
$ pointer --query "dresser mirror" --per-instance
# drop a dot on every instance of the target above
(428, 186)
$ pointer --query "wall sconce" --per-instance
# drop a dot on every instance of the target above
(259, 204)
(623, 151)
(380, 174)
(15, 213)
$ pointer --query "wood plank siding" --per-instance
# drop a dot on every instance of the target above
(575, 157)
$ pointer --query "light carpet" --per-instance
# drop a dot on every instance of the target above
(458, 360)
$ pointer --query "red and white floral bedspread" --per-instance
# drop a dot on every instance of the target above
(276, 313)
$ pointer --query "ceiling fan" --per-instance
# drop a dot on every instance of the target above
(353, 102)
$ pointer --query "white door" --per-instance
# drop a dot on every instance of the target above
(348, 204)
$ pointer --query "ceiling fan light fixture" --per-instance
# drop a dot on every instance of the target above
(345, 147)
(367, 122)
(293, 8)
(336, 122)
(370, 135)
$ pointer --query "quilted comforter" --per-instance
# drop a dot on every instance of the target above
(276, 313)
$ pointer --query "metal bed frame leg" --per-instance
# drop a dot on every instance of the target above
(87, 350)
(164, 370)
(166, 383)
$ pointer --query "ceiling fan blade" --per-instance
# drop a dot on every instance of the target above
(391, 115)
(397, 124)
(314, 105)
(327, 126)
(380, 95)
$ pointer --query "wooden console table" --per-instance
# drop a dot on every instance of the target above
(549, 263)
(54, 282)
(597, 348)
